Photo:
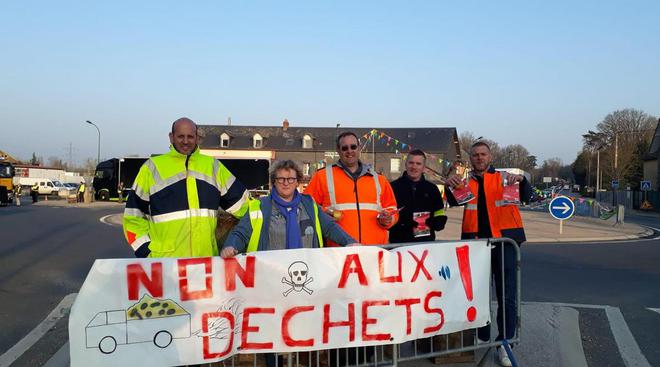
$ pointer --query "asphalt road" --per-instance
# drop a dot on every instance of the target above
(622, 274)
(46, 252)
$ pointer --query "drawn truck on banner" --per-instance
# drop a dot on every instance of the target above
(150, 320)
(253, 173)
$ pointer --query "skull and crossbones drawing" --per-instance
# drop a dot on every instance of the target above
(298, 278)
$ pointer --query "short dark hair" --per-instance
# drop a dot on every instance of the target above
(345, 134)
(285, 164)
(479, 144)
(417, 152)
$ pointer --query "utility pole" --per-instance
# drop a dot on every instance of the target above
(597, 172)
(70, 155)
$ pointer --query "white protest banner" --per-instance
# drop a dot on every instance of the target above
(167, 312)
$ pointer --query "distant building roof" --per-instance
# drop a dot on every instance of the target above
(654, 148)
(287, 138)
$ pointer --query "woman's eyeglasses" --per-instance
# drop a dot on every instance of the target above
(346, 147)
(289, 180)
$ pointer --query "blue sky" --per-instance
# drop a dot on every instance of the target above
(535, 73)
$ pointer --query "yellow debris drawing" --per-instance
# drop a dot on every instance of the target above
(151, 308)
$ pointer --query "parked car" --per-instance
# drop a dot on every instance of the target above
(72, 186)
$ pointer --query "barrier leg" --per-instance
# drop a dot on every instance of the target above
(509, 353)
(395, 355)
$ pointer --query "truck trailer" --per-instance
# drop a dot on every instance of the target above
(252, 173)
(109, 174)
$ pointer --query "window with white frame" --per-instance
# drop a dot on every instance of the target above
(224, 140)
(257, 141)
(395, 165)
(306, 167)
(307, 142)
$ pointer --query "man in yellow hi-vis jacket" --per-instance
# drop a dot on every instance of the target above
(172, 209)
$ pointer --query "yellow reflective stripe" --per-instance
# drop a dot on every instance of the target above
(183, 214)
(471, 207)
(317, 223)
(191, 192)
(256, 220)
(363, 206)
(438, 213)
(140, 241)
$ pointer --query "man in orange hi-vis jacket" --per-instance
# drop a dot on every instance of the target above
(361, 201)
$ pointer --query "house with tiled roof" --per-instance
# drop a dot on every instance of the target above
(651, 161)
(315, 147)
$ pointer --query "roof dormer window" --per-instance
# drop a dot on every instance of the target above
(224, 140)
(307, 142)
(257, 141)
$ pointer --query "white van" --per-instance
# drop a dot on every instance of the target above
(47, 187)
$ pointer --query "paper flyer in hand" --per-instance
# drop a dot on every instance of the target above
(422, 229)
(512, 194)
(462, 193)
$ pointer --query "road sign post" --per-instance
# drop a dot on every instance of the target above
(645, 185)
(561, 208)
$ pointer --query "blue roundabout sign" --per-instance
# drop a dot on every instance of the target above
(561, 207)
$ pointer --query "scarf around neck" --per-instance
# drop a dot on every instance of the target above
(290, 212)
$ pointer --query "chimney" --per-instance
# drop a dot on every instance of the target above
(285, 124)
(229, 121)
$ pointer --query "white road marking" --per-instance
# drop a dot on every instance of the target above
(630, 352)
(625, 341)
(653, 309)
(104, 220)
(11, 355)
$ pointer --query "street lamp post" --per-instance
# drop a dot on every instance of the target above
(98, 150)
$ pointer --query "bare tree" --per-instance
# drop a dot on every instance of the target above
(622, 132)
(466, 139)
(56, 162)
(515, 155)
(551, 167)
(36, 161)
(88, 167)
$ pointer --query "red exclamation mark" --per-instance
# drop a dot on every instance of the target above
(463, 256)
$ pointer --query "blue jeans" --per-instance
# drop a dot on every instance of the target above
(510, 280)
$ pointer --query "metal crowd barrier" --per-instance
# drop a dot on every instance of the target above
(405, 354)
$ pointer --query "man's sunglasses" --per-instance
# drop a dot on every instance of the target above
(289, 180)
(346, 147)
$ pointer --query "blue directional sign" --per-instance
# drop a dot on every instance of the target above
(645, 185)
(615, 184)
(562, 207)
